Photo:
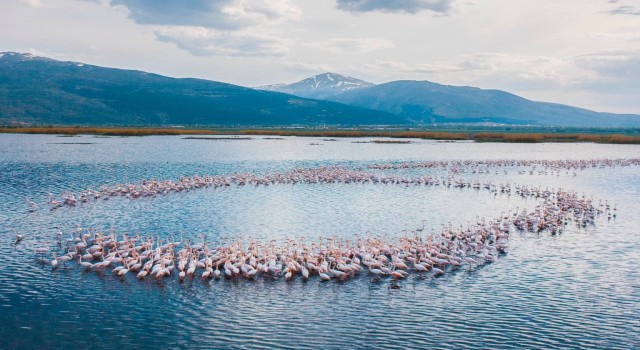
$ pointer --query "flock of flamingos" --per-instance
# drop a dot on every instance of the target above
(433, 253)
(322, 175)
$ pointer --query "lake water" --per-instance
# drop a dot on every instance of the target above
(579, 289)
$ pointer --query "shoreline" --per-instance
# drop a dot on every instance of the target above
(602, 136)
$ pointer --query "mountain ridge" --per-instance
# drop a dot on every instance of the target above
(431, 103)
(42, 90)
(426, 102)
(45, 91)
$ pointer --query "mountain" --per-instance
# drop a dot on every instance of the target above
(45, 91)
(40, 90)
(429, 103)
(321, 86)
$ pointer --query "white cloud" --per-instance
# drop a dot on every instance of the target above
(305, 67)
(616, 36)
(201, 41)
(261, 12)
(616, 63)
(538, 69)
(476, 67)
(220, 14)
(349, 45)
(419, 68)
(613, 71)
(624, 7)
(33, 3)
(230, 28)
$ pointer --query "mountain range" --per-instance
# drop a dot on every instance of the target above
(40, 90)
(424, 102)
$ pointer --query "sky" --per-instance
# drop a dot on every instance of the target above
(584, 53)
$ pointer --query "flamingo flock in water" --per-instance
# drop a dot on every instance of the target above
(435, 254)
(566, 164)
(323, 175)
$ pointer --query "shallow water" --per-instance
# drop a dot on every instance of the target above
(580, 289)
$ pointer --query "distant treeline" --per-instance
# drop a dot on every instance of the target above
(598, 136)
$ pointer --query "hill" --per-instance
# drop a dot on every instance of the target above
(45, 91)
(429, 103)
(40, 90)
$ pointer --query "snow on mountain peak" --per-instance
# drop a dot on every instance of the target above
(320, 86)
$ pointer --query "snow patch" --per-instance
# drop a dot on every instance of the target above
(321, 83)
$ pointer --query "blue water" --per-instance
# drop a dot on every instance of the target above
(580, 289)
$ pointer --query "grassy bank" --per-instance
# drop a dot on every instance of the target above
(553, 137)
(478, 136)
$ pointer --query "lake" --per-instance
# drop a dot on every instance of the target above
(574, 290)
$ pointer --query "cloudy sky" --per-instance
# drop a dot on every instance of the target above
(579, 52)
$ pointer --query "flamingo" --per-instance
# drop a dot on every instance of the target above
(420, 268)
(85, 264)
(19, 237)
(54, 262)
(376, 272)
(124, 271)
(437, 271)
(324, 276)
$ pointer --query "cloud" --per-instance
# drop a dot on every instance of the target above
(528, 68)
(232, 28)
(220, 14)
(348, 45)
(404, 67)
(614, 74)
(491, 70)
(474, 66)
(32, 3)
(397, 6)
(632, 36)
(201, 41)
(624, 7)
(304, 67)
(612, 64)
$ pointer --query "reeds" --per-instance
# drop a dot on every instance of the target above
(555, 137)
(508, 137)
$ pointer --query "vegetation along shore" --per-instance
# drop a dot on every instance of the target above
(515, 136)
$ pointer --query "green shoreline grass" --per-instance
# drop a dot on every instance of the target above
(478, 136)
